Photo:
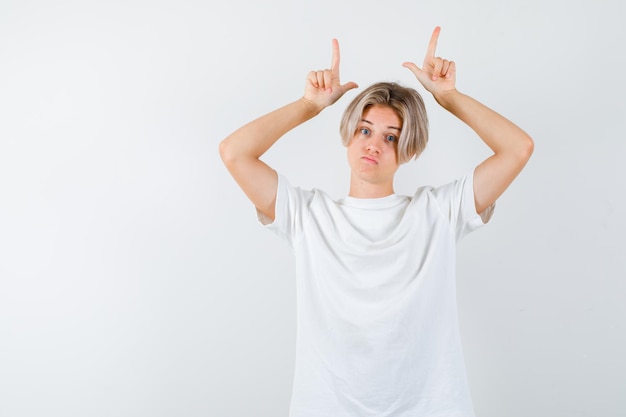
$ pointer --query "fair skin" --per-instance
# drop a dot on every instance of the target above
(372, 170)
(372, 153)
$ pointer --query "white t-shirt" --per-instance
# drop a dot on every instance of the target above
(377, 326)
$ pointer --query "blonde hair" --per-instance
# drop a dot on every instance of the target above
(406, 102)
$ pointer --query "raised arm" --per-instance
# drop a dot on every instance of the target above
(512, 147)
(242, 149)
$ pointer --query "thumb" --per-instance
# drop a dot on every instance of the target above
(343, 88)
(349, 86)
(417, 71)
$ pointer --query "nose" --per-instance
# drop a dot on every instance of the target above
(372, 146)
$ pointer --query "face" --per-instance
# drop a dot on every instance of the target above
(372, 151)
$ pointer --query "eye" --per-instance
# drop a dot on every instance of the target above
(391, 138)
(364, 131)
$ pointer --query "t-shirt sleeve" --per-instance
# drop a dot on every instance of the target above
(290, 211)
(456, 199)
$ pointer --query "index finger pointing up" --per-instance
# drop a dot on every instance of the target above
(432, 45)
(334, 66)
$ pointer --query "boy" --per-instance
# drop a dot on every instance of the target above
(377, 321)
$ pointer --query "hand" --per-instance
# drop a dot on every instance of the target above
(437, 75)
(323, 87)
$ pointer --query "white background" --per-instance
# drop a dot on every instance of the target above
(134, 277)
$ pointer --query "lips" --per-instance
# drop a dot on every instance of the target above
(370, 160)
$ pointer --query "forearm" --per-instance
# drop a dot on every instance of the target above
(255, 138)
(499, 133)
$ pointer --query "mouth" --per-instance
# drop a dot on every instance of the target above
(369, 160)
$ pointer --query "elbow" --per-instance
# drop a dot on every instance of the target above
(226, 152)
(232, 154)
(519, 151)
(523, 148)
(527, 147)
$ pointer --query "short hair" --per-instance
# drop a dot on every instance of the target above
(406, 102)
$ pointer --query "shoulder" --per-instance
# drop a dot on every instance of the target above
(293, 198)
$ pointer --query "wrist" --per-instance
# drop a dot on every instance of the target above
(311, 107)
(447, 98)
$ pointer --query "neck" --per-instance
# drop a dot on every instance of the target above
(363, 189)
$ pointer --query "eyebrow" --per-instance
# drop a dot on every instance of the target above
(388, 127)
